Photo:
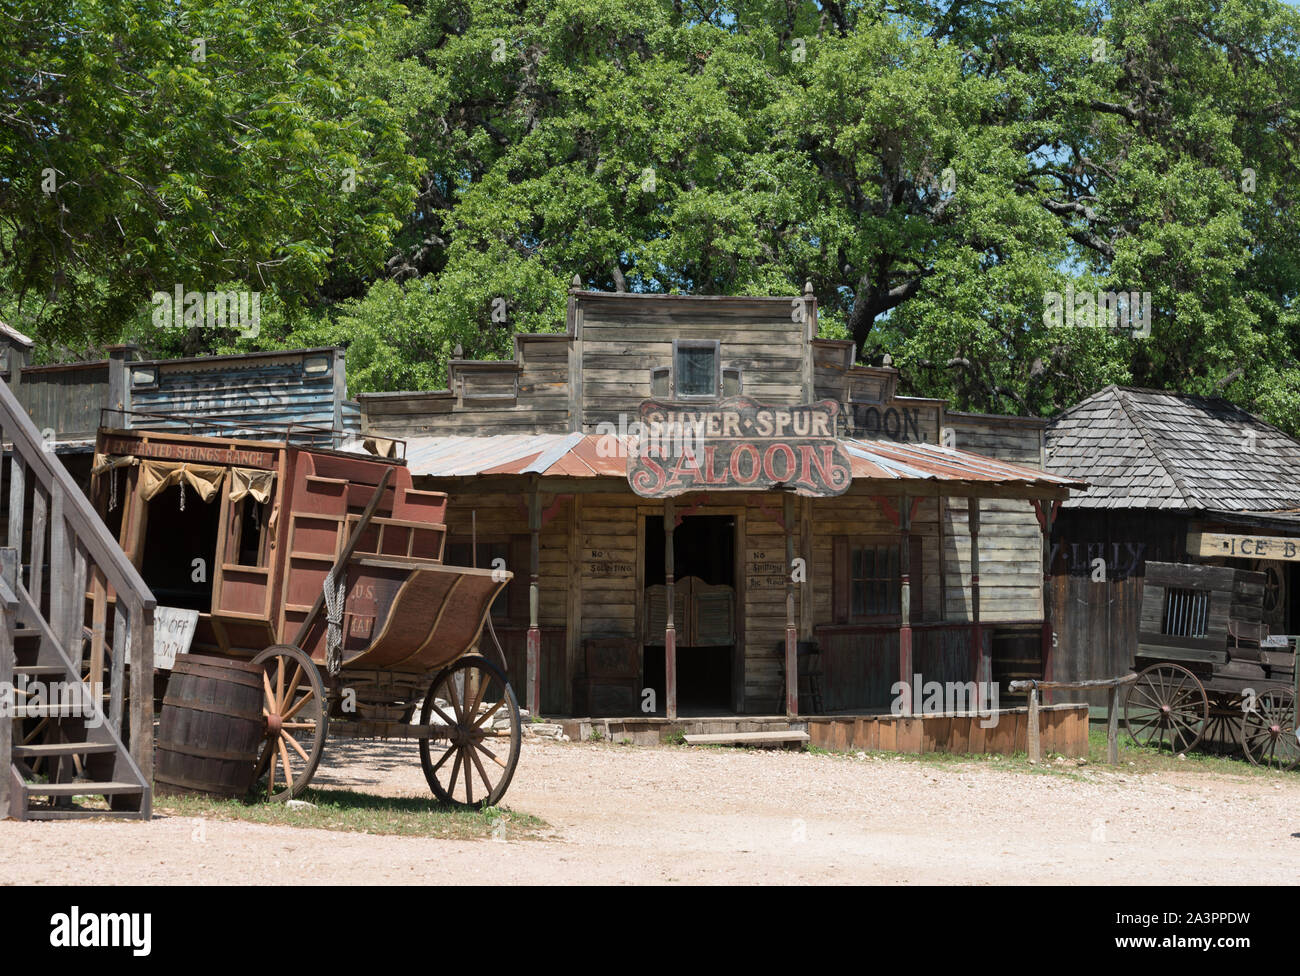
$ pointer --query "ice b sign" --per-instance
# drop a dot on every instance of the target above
(738, 445)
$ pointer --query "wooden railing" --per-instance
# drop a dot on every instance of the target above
(61, 546)
(1112, 716)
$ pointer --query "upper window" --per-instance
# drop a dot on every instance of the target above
(695, 368)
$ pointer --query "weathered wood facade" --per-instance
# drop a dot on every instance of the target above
(1165, 470)
(66, 401)
(623, 603)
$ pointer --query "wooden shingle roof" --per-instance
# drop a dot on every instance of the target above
(1156, 450)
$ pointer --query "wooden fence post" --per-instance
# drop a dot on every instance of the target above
(1112, 727)
(1035, 753)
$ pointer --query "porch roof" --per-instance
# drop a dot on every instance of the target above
(577, 455)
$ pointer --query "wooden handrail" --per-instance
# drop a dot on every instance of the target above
(81, 551)
(89, 529)
(1030, 684)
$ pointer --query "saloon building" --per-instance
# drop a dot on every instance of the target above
(693, 493)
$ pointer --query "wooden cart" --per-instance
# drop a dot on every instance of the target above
(1209, 674)
(323, 567)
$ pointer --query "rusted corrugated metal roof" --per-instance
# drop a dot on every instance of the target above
(591, 456)
(887, 460)
(572, 455)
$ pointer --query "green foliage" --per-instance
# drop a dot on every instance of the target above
(934, 168)
(148, 143)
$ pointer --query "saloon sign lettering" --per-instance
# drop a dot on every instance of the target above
(739, 444)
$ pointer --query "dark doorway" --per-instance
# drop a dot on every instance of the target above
(704, 550)
(174, 540)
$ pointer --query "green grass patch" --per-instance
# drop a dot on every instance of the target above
(362, 813)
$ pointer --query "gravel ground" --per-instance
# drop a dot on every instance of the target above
(633, 815)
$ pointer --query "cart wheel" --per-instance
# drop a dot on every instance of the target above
(1268, 731)
(468, 762)
(296, 722)
(1166, 704)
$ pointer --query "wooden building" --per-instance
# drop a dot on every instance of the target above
(816, 505)
(1173, 479)
(66, 401)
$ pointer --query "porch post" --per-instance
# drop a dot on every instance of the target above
(791, 627)
(670, 631)
(534, 645)
(905, 601)
(983, 666)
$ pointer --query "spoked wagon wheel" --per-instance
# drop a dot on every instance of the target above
(1268, 733)
(296, 722)
(1166, 704)
(469, 761)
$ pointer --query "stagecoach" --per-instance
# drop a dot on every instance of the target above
(321, 565)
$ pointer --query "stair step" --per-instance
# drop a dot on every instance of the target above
(39, 669)
(744, 738)
(80, 789)
(50, 711)
(58, 813)
(62, 749)
(26, 632)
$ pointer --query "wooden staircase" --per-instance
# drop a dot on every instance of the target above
(63, 684)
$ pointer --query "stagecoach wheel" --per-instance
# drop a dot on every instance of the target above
(297, 722)
(1223, 729)
(1268, 732)
(469, 761)
(1167, 703)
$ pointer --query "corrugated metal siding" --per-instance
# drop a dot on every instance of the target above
(259, 392)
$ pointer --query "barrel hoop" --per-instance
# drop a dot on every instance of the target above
(190, 704)
(232, 676)
(200, 785)
(204, 753)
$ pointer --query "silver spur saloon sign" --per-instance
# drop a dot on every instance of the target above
(738, 445)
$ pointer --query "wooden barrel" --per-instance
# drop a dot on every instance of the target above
(211, 727)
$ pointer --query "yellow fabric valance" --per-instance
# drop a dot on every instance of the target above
(251, 481)
(157, 476)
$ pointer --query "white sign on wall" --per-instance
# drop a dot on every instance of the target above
(173, 630)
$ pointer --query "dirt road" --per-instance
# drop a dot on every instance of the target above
(633, 815)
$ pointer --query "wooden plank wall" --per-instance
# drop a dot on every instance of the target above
(539, 374)
(1096, 623)
(65, 399)
(861, 663)
(610, 566)
(758, 336)
(501, 517)
(764, 569)
(1011, 565)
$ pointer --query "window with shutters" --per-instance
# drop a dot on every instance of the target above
(868, 579)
